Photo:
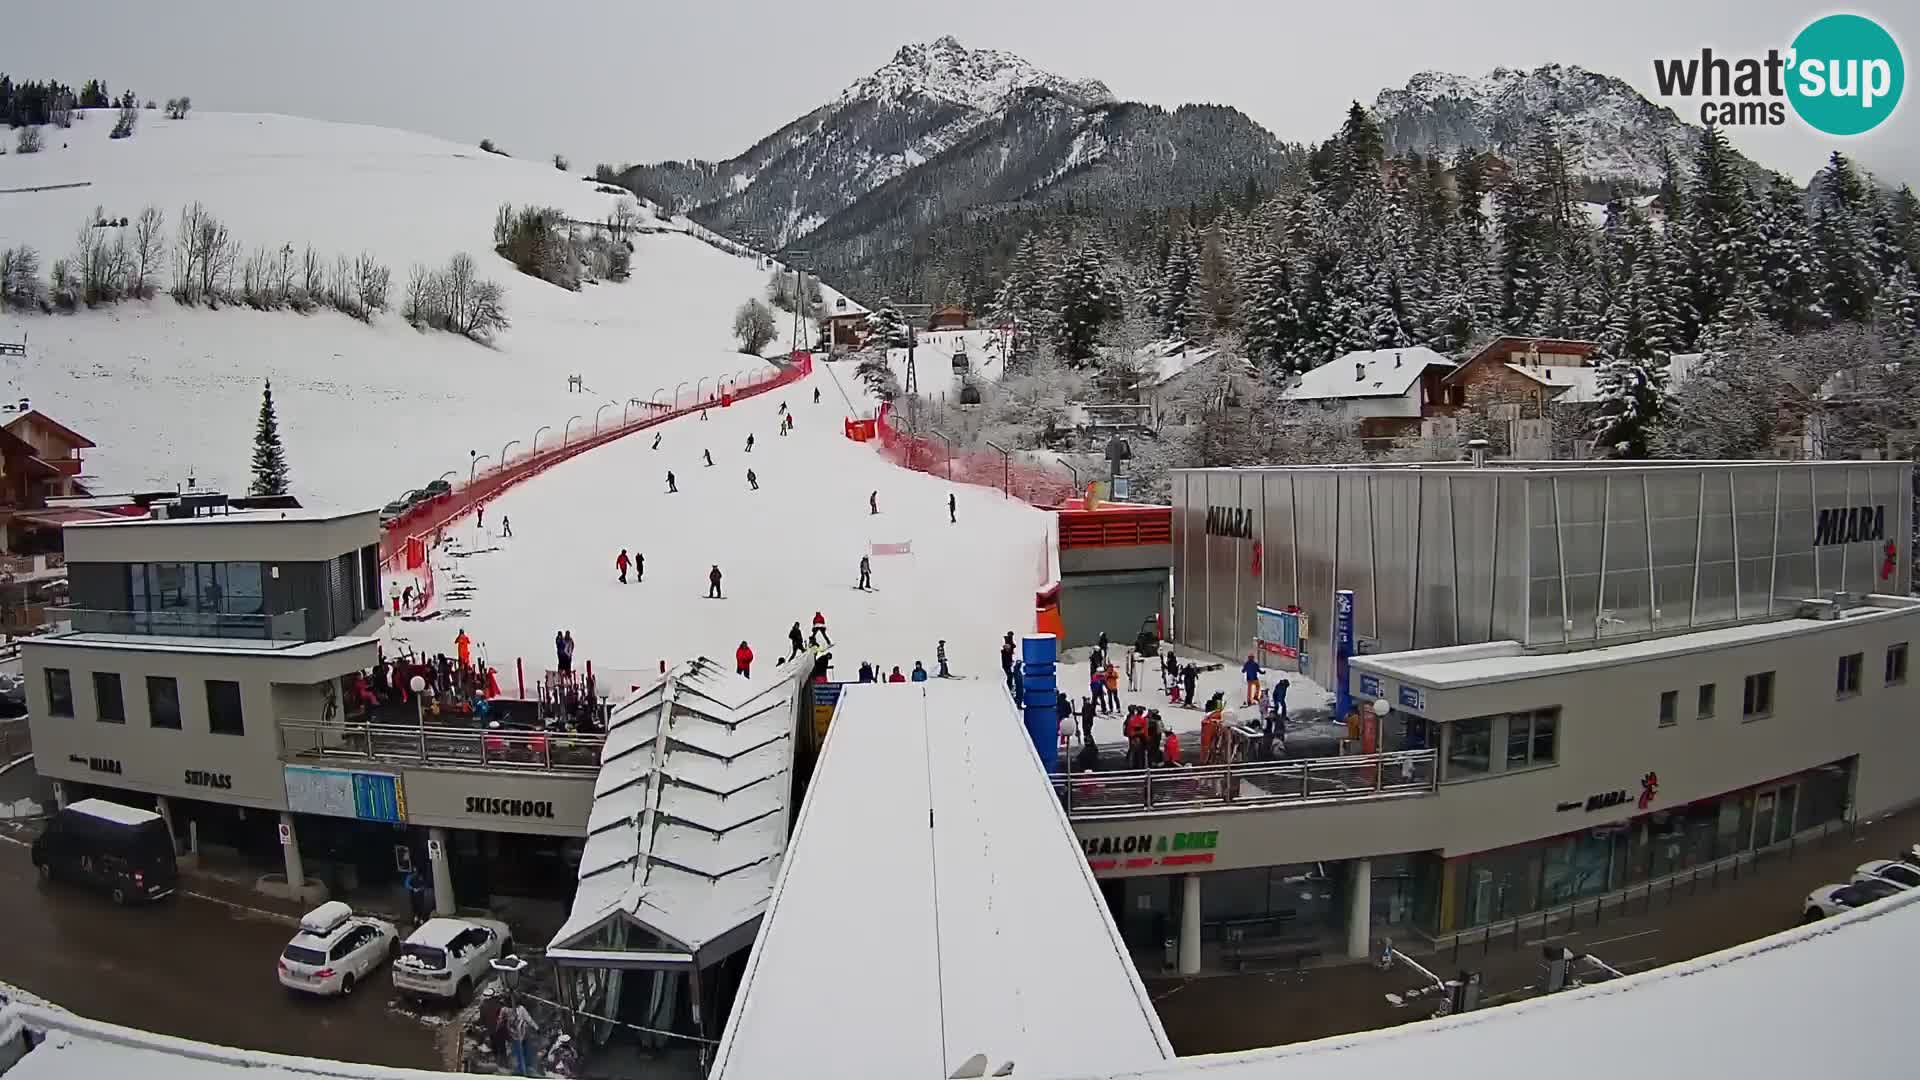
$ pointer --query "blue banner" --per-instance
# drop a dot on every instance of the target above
(1039, 693)
(1342, 652)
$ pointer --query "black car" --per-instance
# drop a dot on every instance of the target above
(122, 851)
(438, 488)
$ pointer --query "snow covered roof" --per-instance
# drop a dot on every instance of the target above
(1168, 360)
(935, 905)
(113, 811)
(1371, 373)
(689, 815)
(1578, 385)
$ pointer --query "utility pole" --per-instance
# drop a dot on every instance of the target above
(798, 260)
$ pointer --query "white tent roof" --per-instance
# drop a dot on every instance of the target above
(686, 832)
(1372, 373)
(935, 905)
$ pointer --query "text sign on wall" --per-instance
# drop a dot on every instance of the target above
(1849, 525)
(1233, 521)
(337, 793)
(1369, 685)
(1412, 699)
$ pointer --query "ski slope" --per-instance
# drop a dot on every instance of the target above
(367, 411)
(786, 551)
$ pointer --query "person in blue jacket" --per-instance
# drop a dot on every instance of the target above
(1251, 669)
(919, 672)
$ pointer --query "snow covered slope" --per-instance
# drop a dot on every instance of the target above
(367, 411)
(787, 550)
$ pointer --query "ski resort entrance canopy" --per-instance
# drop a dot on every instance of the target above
(690, 817)
(935, 906)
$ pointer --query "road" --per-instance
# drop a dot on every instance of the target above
(190, 967)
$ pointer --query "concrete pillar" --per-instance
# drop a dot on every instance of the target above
(290, 850)
(1360, 909)
(165, 810)
(442, 871)
(1190, 924)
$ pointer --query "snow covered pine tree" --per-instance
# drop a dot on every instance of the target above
(269, 456)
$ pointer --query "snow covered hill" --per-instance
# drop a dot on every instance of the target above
(787, 550)
(1611, 131)
(367, 410)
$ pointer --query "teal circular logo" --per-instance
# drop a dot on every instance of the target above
(1847, 74)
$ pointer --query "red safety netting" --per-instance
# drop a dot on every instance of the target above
(1026, 480)
(423, 520)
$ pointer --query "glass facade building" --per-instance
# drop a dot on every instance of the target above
(1552, 555)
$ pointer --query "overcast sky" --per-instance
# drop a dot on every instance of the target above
(622, 81)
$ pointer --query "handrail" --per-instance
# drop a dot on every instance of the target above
(444, 744)
(1352, 778)
(169, 622)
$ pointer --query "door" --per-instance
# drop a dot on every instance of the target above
(1783, 812)
(1762, 820)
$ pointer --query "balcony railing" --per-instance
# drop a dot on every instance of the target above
(1356, 778)
(285, 626)
(441, 744)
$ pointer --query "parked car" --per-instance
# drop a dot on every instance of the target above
(438, 488)
(447, 958)
(1834, 899)
(1904, 875)
(393, 509)
(122, 851)
(335, 950)
(13, 696)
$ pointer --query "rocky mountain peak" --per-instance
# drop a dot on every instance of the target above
(982, 79)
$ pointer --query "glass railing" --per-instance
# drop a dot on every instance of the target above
(442, 744)
(285, 626)
(1309, 780)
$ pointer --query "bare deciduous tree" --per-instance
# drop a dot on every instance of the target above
(28, 140)
(149, 248)
(753, 326)
(313, 277)
(623, 220)
(20, 285)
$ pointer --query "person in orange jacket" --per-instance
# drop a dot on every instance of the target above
(1172, 752)
(1209, 736)
(743, 660)
(464, 646)
(1112, 679)
(1136, 731)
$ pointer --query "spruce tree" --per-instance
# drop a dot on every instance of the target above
(1721, 224)
(1840, 242)
(1631, 390)
(269, 456)
(1786, 257)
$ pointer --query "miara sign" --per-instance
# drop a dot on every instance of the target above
(1849, 525)
(1230, 521)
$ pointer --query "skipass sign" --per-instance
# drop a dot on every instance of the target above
(1842, 74)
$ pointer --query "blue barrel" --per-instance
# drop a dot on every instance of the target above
(1040, 692)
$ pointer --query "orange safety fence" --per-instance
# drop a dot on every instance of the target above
(1024, 480)
(424, 519)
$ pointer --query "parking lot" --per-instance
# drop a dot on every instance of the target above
(197, 967)
(1213, 1014)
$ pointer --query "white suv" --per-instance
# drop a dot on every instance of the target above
(336, 949)
(447, 958)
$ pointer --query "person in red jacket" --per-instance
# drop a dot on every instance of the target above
(743, 660)
(1172, 752)
(896, 676)
(819, 630)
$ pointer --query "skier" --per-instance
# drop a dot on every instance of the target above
(1086, 719)
(798, 642)
(708, 454)
(656, 440)
(406, 597)
(816, 395)
(819, 633)
(940, 657)
(506, 525)
(1251, 669)
(743, 661)
(621, 564)
(783, 409)
(393, 595)
(703, 414)
(866, 574)
(866, 671)
(671, 486)
(639, 567)
(873, 502)
(1006, 657)
(749, 442)
(463, 646)
(569, 640)
(1277, 719)
(953, 515)
(919, 672)
(752, 480)
(896, 676)
(1190, 676)
(480, 517)
(713, 583)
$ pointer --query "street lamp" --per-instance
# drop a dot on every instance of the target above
(596, 416)
(536, 438)
(503, 451)
(418, 685)
(444, 475)
(676, 392)
(1006, 465)
(696, 388)
(475, 466)
(567, 432)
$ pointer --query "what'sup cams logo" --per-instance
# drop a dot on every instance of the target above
(1842, 75)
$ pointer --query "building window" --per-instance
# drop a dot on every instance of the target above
(1846, 678)
(108, 706)
(1705, 711)
(163, 702)
(223, 708)
(1896, 670)
(1532, 738)
(1469, 747)
(1669, 708)
(1757, 700)
(59, 692)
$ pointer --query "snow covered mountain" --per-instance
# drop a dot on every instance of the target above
(942, 131)
(1611, 131)
(927, 98)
